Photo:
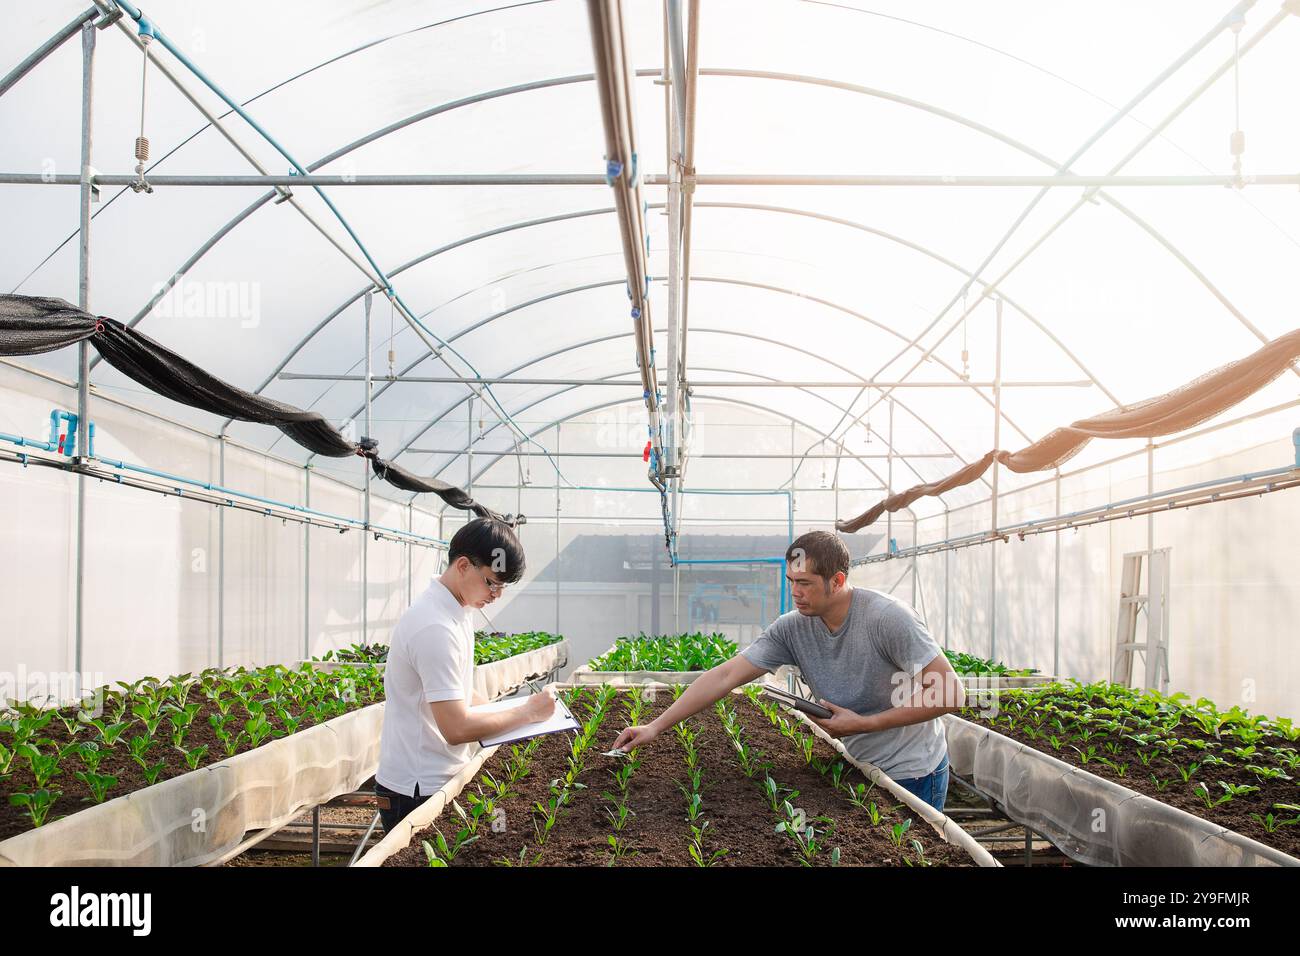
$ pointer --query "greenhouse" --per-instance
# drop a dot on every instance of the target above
(640, 433)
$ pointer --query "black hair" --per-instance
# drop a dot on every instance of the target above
(489, 544)
(819, 552)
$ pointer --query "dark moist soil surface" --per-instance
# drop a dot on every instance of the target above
(740, 820)
(117, 761)
(1234, 815)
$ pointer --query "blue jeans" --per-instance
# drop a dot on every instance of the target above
(932, 788)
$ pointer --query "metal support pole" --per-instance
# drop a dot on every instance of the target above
(410, 552)
(947, 633)
(557, 534)
(1151, 490)
(221, 556)
(365, 464)
(469, 445)
(1056, 588)
(889, 481)
(673, 374)
(997, 439)
(83, 363)
(306, 567)
(915, 542)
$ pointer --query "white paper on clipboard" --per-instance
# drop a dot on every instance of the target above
(560, 720)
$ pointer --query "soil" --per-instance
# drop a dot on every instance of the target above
(117, 762)
(1234, 815)
(740, 820)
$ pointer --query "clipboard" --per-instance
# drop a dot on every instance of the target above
(561, 720)
(797, 702)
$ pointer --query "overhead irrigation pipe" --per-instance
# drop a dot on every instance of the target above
(613, 81)
(377, 274)
(217, 493)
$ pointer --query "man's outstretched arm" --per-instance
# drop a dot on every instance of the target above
(707, 689)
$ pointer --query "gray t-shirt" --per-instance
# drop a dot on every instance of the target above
(865, 666)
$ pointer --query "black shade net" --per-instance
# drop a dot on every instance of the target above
(30, 325)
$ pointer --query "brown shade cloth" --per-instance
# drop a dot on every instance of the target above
(1182, 408)
(30, 325)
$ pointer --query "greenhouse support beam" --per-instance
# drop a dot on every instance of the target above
(993, 498)
(707, 383)
(221, 557)
(676, 135)
(368, 301)
(88, 36)
(317, 180)
(765, 456)
(306, 567)
(33, 59)
(1056, 584)
(717, 398)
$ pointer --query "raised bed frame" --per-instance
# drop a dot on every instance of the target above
(206, 816)
(426, 813)
(1063, 802)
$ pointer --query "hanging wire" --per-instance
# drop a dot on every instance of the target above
(141, 185)
(392, 331)
(965, 342)
(1237, 142)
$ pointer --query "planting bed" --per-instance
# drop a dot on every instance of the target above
(699, 795)
(152, 731)
(665, 659)
(1211, 786)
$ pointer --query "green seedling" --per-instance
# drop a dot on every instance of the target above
(37, 803)
(98, 783)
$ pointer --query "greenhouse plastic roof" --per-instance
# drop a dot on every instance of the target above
(1135, 289)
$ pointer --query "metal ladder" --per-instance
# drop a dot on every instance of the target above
(1155, 603)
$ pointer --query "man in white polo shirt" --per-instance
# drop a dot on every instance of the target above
(429, 729)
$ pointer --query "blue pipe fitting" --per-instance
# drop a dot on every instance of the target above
(147, 29)
(66, 445)
(613, 169)
(1295, 440)
(636, 313)
(633, 176)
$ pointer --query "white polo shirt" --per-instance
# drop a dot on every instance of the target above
(430, 658)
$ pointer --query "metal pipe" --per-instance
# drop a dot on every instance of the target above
(997, 439)
(365, 465)
(221, 557)
(557, 534)
(71, 29)
(688, 167)
(306, 566)
(637, 455)
(83, 349)
(660, 179)
(1056, 587)
(727, 383)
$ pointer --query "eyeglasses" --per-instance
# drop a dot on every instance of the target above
(494, 587)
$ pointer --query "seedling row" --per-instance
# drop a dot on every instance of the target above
(1239, 771)
(742, 784)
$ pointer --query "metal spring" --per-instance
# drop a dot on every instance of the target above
(142, 148)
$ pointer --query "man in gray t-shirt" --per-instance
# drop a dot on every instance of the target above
(865, 655)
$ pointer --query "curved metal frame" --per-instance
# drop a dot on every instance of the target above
(497, 456)
(739, 282)
(753, 74)
(705, 331)
(730, 371)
